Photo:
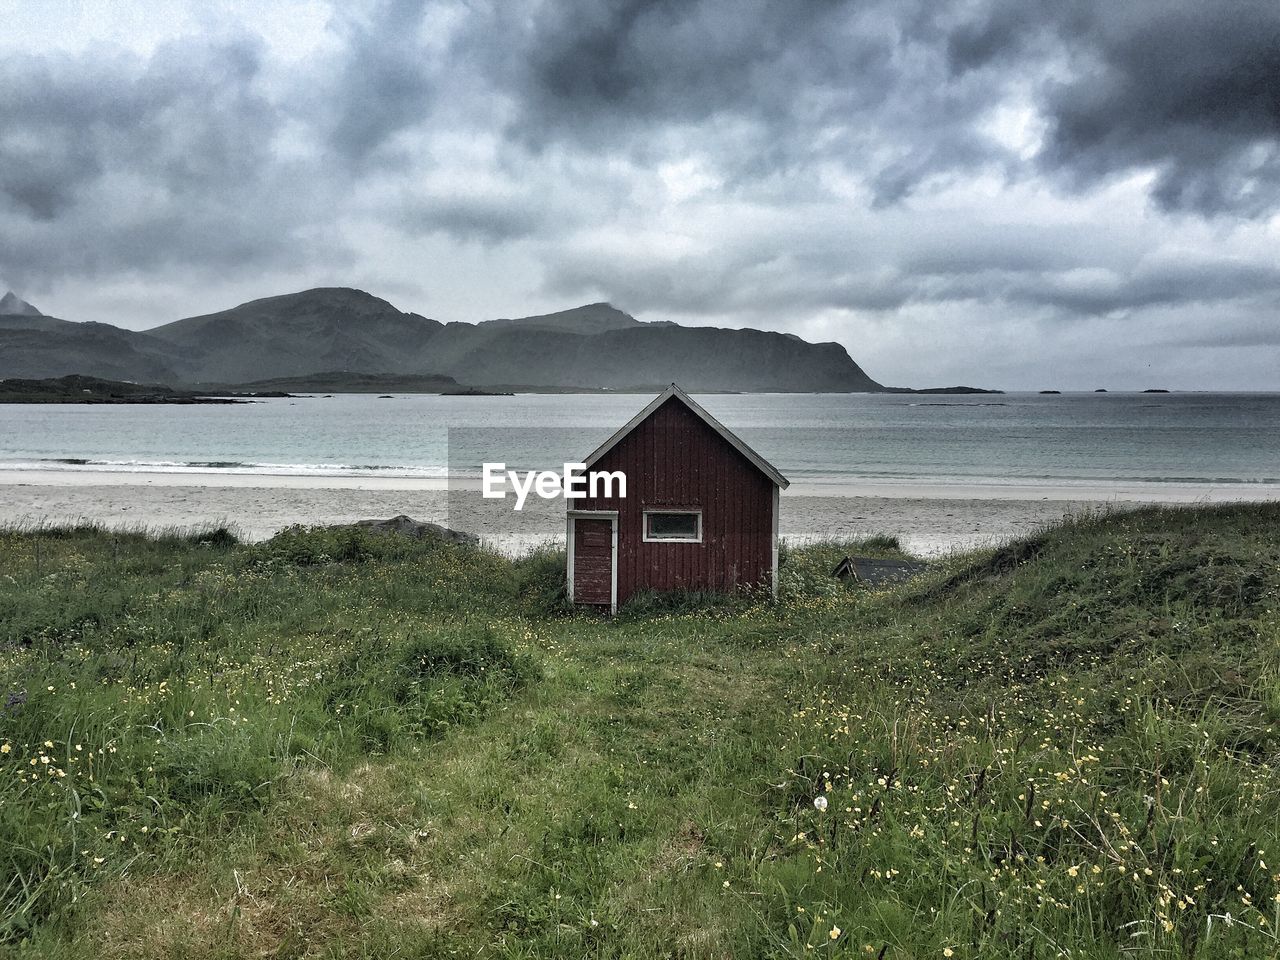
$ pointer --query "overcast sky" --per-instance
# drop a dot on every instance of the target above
(1012, 193)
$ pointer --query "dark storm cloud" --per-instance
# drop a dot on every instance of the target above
(382, 82)
(672, 61)
(1189, 89)
(1194, 92)
(482, 219)
(188, 120)
(765, 88)
(1186, 88)
(111, 162)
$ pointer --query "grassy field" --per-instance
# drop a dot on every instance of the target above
(341, 745)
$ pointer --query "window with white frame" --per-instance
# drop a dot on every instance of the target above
(673, 526)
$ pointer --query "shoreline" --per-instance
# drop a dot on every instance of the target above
(1093, 491)
(929, 518)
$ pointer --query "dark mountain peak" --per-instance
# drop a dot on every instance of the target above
(325, 328)
(601, 308)
(318, 300)
(11, 305)
(588, 318)
(335, 295)
(315, 311)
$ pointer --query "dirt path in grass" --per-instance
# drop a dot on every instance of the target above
(589, 809)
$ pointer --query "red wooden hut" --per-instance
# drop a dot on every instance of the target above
(700, 511)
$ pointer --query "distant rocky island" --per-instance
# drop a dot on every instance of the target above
(336, 339)
(81, 389)
(341, 381)
(939, 390)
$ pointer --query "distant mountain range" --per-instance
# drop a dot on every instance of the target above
(339, 331)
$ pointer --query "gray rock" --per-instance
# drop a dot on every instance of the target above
(418, 530)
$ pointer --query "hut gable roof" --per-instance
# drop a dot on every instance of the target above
(674, 392)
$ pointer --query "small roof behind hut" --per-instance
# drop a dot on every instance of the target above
(874, 570)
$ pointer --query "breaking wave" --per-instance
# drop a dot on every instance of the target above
(79, 464)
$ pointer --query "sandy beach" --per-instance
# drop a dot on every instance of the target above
(929, 519)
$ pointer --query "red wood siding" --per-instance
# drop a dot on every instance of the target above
(673, 459)
(592, 561)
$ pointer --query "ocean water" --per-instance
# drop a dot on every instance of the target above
(830, 438)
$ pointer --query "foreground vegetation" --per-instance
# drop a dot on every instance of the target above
(343, 744)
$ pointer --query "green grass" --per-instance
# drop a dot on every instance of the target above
(337, 744)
